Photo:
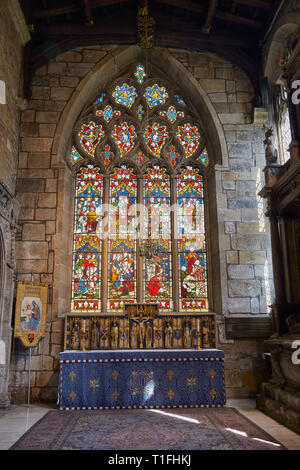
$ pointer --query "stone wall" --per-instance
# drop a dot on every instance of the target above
(244, 246)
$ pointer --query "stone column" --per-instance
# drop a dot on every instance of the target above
(277, 259)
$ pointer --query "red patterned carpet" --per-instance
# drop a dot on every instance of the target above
(188, 429)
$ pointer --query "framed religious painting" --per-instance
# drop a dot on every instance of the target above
(30, 314)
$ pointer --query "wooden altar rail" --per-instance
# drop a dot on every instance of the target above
(98, 331)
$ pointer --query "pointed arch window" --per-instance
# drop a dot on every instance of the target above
(140, 159)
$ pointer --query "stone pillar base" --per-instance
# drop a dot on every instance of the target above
(281, 404)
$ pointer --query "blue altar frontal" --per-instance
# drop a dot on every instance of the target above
(119, 379)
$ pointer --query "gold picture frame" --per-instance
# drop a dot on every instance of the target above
(30, 312)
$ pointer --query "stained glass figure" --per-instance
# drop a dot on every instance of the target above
(179, 100)
(75, 156)
(173, 155)
(191, 244)
(107, 155)
(140, 74)
(125, 95)
(87, 243)
(189, 137)
(122, 231)
(108, 113)
(100, 99)
(157, 226)
(155, 137)
(204, 157)
(139, 158)
(90, 135)
(140, 111)
(155, 95)
(124, 135)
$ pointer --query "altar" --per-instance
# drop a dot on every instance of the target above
(160, 378)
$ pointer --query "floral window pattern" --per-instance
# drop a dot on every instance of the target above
(142, 142)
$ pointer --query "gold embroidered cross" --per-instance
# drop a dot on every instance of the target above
(116, 395)
(170, 374)
(72, 375)
(191, 383)
(212, 374)
(171, 394)
(115, 374)
(213, 393)
(94, 384)
(72, 396)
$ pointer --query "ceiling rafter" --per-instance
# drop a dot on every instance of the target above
(210, 16)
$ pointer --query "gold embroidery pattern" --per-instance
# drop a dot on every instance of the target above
(142, 383)
(94, 384)
(191, 383)
(212, 374)
(116, 395)
(213, 393)
(72, 375)
(170, 374)
(115, 374)
(171, 394)
(72, 396)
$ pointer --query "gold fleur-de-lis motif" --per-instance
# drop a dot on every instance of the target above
(212, 374)
(94, 384)
(171, 394)
(72, 375)
(170, 374)
(116, 395)
(213, 393)
(191, 383)
(115, 374)
(72, 396)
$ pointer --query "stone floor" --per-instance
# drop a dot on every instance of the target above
(17, 419)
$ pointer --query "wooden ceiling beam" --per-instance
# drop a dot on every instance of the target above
(255, 3)
(222, 15)
(183, 4)
(74, 7)
(210, 16)
(86, 6)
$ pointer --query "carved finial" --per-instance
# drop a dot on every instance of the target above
(145, 27)
(270, 152)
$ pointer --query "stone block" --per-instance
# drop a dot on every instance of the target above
(30, 185)
(33, 232)
(78, 70)
(240, 271)
(229, 185)
(26, 213)
(211, 86)
(247, 242)
(47, 116)
(61, 93)
(29, 129)
(251, 227)
(241, 203)
(47, 130)
(35, 250)
(252, 257)
(233, 378)
(204, 72)
(71, 82)
(226, 73)
(71, 56)
(50, 227)
(238, 150)
(249, 215)
(239, 305)
(45, 214)
(43, 378)
(92, 56)
(229, 227)
(51, 185)
(23, 159)
(39, 160)
(242, 97)
(47, 200)
(232, 257)
(32, 265)
(36, 144)
(218, 97)
(254, 303)
(244, 288)
(28, 115)
(57, 68)
(40, 93)
(36, 173)
(232, 118)
(198, 59)
(230, 86)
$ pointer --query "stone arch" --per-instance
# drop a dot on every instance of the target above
(88, 87)
(278, 41)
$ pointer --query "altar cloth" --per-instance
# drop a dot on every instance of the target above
(117, 379)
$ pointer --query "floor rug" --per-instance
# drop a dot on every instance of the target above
(188, 429)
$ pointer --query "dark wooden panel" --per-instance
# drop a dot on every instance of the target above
(249, 327)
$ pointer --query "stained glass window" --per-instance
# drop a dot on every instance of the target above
(158, 270)
(191, 244)
(145, 123)
(122, 243)
(87, 241)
